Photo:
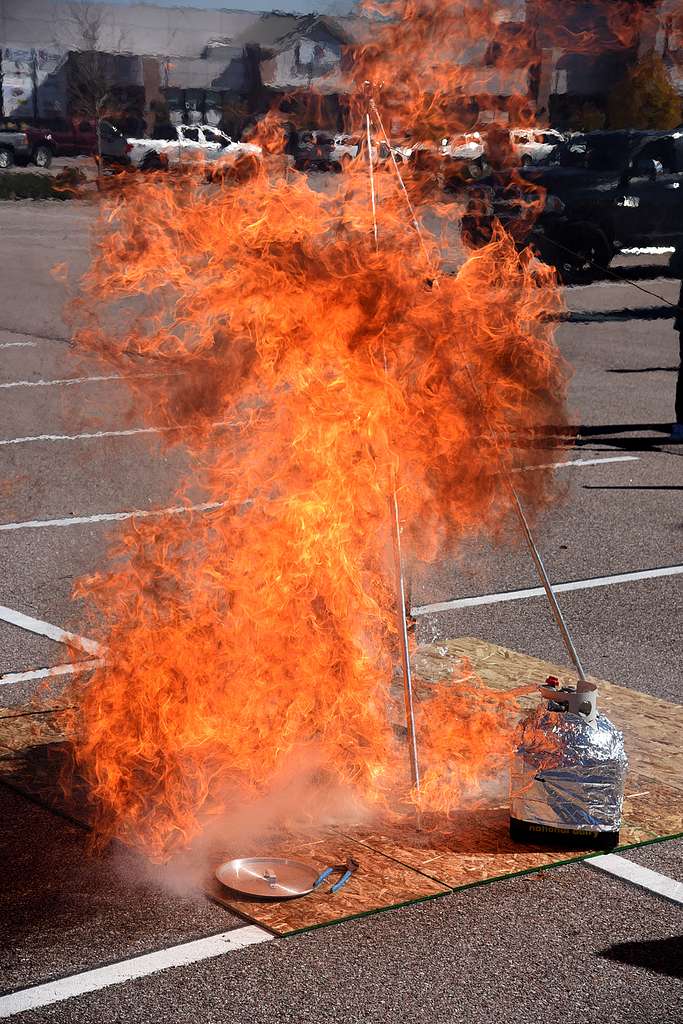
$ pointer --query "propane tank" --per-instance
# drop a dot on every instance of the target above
(568, 771)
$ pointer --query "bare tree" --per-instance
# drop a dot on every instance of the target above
(86, 33)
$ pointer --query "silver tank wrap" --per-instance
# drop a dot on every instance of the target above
(568, 773)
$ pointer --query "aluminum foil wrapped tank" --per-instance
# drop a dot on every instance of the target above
(568, 772)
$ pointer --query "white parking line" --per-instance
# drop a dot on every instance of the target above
(111, 517)
(18, 344)
(62, 380)
(52, 632)
(11, 678)
(102, 433)
(558, 588)
(126, 970)
(577, 462)
(85, 380)
(638, 875)
(87, 437)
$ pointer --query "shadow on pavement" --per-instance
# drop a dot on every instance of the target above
(641, 272)
(667, 312)
(646, 369)
(605, 434)
(622, 428)
(660, 955)
(632, 487)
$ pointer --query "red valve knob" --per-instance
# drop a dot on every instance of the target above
(552, 681)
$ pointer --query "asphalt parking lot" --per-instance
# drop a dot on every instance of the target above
(567, 945)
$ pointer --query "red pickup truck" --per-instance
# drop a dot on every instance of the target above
(71, 138)
(38, 143)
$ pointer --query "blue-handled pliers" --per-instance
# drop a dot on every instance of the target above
(346, 870)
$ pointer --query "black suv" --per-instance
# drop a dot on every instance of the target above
(604, 191)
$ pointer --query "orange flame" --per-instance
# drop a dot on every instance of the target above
(310, 372)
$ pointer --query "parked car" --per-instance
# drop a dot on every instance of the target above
(25, 145)
(170, 145)
(74, 137)
(468, 146)
(603, 192)
(533, 145)
(464, 159)
(345, 148)
(402, 154)
(313, 151)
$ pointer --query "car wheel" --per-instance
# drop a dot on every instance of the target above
(153, 162)
(42, 156)
(6, 158)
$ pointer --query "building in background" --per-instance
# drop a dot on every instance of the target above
(75, 58)
(62, 58)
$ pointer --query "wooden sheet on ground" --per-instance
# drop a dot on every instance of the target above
(401, 865)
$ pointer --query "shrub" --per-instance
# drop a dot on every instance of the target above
(28, 185)
(645, 98)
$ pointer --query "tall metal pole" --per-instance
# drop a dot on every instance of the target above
(550, 593)
(408, 695)
(584, 683)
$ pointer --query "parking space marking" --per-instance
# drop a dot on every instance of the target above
(127, 970)
(558, 588)
(63, 380)
(131, 432)
(87, 437)
(112, 517)
(636, 874)
(62, 636)
(83, 380)
(18, 344)
(577, 462)
(11, 678)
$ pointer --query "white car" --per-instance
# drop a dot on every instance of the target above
(534, 144)
(173, 144)
(347, 147)
(468, 146)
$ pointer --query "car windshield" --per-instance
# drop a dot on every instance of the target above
(594, 154)
(213, 136)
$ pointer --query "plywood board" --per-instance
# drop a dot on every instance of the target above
(398, 864)
(26, 726)
(380, 883)
(652, 807)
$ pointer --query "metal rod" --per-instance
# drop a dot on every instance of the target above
(372, 180)
(402, 184)
(547, 586)
(408, 695)
(526, 530)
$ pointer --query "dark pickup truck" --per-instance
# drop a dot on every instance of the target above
(25, 145)
(601, 192)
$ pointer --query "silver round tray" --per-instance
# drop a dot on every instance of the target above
(273, 878)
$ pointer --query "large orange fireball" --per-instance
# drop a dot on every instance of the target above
(310, 373)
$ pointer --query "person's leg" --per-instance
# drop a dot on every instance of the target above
(678, 426)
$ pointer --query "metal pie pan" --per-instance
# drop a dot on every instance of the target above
(272, 878)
